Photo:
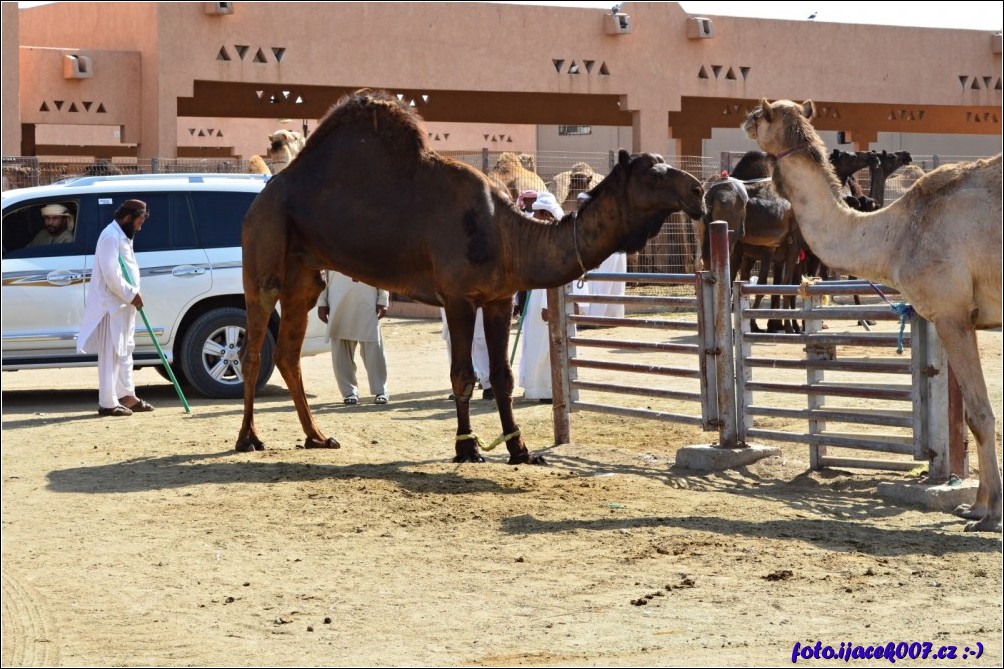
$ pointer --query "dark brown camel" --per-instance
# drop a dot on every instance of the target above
(761, 227)
(847, 164)
(367, 197)
(887, 164)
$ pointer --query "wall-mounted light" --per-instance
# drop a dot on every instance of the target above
(997, 43)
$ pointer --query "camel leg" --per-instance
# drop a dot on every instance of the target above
(959, 340)
(460, 316)
(497, 334)
(260, 301)
(299, 295)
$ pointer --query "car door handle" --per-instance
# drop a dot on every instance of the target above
(63, 277)
(188, 270)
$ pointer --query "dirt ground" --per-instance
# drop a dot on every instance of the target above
(149, 541)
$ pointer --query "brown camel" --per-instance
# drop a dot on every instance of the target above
(940, 245)
(510, 171)
(368, 198)
(887, 164)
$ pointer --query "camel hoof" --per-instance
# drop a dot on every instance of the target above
(986, 524)
(249, 445)
(969, 511)
(330, 442)
(525, 457)
(462, 458)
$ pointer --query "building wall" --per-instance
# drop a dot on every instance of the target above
(10, 125)
(501, 66)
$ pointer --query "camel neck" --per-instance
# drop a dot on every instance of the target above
(550, 254)
(842, 238)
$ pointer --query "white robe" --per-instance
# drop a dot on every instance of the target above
(108, 294)
(479, 348)
(352, 308)
(535, 358)
(616, 264)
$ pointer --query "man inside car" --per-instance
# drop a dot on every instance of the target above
(58, 226)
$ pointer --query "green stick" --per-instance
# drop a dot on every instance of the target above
(156, 344)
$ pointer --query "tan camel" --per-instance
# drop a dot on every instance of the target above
(283, 146)
(368, 198)
(511, 172)
(257, 165)
(940, 244)
(568, 185)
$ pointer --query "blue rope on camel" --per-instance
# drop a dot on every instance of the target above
(901, 309)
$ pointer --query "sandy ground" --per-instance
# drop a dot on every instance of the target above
(149, 541)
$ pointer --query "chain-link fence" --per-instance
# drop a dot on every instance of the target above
(563, 173)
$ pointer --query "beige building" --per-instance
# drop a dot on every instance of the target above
(212, 79)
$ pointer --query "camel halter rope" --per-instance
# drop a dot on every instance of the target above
(792, 150)
(901, 309)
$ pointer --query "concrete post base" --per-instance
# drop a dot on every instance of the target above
(942, 497)
(712, 458)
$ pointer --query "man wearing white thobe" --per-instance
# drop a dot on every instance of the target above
(109, 320)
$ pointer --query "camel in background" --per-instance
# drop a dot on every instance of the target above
(511, 174)
(939, 245)
(568, 185)
(367, 197)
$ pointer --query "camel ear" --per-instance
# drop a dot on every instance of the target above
(765, 109)
(808, 109)
(624, 158)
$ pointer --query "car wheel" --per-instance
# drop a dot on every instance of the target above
(210, 354)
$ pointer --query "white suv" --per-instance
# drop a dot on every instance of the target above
(189, 254)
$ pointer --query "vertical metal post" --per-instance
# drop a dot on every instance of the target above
(484, 160)
(743, 350)
(705, 286)
(557, 324)
(814, 377)
(929, 367)
(611, 161)
(725, 373)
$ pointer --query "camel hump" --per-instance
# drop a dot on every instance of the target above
(377, 113)
(947, 175)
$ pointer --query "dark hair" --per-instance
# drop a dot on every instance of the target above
(129, 208)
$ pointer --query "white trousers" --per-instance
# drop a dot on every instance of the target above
(479, 349)
(114, 370)
(343, 359)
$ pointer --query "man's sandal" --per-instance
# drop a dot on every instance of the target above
(118, 410)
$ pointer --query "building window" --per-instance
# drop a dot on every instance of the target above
(568, 130)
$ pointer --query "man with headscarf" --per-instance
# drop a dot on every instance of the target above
(109, 319)
(58, 228)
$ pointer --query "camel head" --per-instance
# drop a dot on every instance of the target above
(290, 140)
(648, 190)
(781, 126)
(890, 162)
(846, 163)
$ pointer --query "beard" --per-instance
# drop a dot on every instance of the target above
(129, 229)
